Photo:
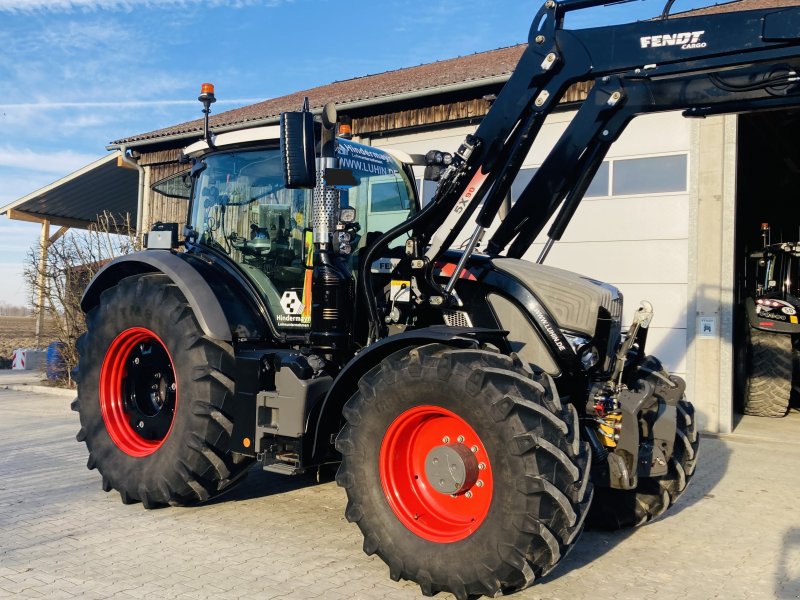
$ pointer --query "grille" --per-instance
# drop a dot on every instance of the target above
(614, 308)
(326, 201)
(457, 318)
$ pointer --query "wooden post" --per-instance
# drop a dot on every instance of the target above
(44, 242)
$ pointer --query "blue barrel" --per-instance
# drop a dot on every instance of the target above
(55, 365)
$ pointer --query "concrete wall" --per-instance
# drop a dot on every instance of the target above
(712, 217)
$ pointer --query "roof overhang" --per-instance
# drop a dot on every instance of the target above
(342, 107)
(104, 186)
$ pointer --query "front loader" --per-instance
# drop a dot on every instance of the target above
(481, 407)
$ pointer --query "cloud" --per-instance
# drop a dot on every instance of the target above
(32, 6)
(59, 162)
(115, 104)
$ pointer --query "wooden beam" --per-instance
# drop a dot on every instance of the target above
(57, 234)
(21, 216)
(18, 215)
(42, 280)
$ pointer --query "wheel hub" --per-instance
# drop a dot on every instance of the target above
(138, 391)
(451, 469)
(438, 489)
(149, 389)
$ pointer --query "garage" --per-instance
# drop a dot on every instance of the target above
(767, 211)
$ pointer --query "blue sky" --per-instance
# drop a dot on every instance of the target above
(78, 74)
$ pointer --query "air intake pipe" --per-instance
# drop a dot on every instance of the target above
(331, 282)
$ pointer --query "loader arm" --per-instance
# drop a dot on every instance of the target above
(658, 65)
(611, 105)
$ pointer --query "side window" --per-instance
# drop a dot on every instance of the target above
(174, 186)
(650, 175)
(599, 186)
(242, 209)
(387, 197)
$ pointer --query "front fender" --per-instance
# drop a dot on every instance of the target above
(346, 383)
(198, 293)
(767, 323)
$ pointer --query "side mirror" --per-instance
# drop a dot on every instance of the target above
(297, 150)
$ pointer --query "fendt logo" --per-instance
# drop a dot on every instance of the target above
(687, 40)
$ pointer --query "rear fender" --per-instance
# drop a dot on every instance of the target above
(207, 308)
(772, 324)
(328, 419)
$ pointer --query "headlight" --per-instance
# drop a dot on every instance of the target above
(589, 357)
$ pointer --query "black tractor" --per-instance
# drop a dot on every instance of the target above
(481, 407)
(769, 332)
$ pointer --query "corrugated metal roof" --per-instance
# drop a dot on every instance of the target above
(77, 199)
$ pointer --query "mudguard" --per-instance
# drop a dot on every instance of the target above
(207, 308)
(776, 322)
(328, 418)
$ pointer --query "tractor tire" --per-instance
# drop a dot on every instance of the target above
(769, 388)
(463, 470)
(154, 396)
(616, 509)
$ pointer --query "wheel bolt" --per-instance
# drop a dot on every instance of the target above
(468, 494)
(141, 424)
(446, 439)
(481, 466)
(461, 439)
(479, 483)
(136, 360)
(474, 448)
(173, 387)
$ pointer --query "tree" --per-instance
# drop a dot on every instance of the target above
(72, 260)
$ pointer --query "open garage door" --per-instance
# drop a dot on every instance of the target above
(767, 211)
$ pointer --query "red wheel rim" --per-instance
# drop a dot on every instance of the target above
(414, 437)
(138, 391)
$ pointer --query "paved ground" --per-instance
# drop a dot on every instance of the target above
(734, 535)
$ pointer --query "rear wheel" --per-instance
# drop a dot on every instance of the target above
(615, 509)
(463, 470)
(769, 388)
(153, 396)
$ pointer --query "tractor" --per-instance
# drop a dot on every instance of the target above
(769, 330)
(481, 408)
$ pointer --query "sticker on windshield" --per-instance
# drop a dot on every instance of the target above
(291, 304)
(363, 160)
(294, 311)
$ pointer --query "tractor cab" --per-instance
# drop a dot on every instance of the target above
(240, 207)
(773, 285)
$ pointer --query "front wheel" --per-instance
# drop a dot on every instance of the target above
(463, 470)
(769, 387)
(154, 396)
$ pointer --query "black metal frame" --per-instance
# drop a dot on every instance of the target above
(710, 64)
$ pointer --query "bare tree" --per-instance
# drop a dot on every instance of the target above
(72, 260)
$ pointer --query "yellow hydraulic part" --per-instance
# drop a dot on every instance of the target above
(609, 427)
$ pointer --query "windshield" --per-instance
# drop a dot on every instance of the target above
(240, 207)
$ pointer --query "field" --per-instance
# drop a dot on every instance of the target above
(20, 332)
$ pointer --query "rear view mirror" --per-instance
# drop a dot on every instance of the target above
(297, 150)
